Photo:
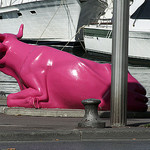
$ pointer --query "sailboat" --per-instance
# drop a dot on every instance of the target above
(98, 37)
(49, 22)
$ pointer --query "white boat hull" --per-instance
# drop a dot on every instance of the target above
(99, 40)
(43, 20)
(48, 20)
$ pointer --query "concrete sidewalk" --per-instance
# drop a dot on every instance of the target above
(21, 124)
(28, 128)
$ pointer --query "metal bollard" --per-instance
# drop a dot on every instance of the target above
(91, 118)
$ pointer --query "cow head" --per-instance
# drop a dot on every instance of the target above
(5, 40)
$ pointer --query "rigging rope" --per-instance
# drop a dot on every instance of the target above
(62, 2)
(50, 21)
(74, 37)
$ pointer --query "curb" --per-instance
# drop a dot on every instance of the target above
(42, 112)
(77, 134)
(17, 111)
(79, 113)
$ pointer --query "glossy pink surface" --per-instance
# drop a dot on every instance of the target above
(50, 78)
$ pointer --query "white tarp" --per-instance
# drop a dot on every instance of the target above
(5, 3)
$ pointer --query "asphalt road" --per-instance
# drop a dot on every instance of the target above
(78, 145)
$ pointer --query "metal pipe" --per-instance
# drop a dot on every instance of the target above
(119, 63)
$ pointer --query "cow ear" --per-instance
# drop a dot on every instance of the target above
(20, 33)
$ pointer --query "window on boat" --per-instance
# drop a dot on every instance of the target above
(9, 15)
(1, 17)
(19, 14)
(82, 1)
(33, 12)
(142, 12)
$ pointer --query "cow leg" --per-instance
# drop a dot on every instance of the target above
(28, 98)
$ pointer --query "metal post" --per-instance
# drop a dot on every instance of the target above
(91, 118)
(119, 63)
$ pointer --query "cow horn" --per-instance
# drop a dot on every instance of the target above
(20, 33)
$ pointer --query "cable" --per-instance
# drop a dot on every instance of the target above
(50, 21)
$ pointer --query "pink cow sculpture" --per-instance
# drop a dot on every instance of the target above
(50, 78)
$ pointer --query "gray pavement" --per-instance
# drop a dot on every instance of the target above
(21, 124)
(77, 145)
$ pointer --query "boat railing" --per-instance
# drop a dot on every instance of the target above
(93, 21)
(100, 22)
(14, 2)
(25, 1)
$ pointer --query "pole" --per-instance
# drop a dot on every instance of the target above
(119, 63)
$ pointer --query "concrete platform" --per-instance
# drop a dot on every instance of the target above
(21, 124)
(29, 128)
(61, 112)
